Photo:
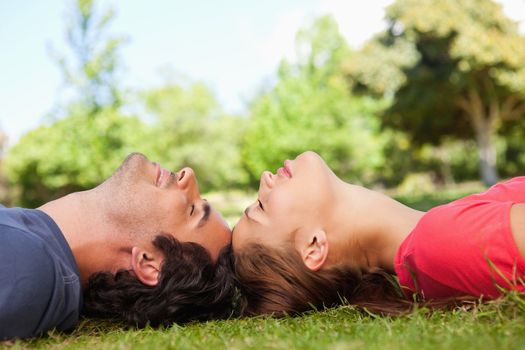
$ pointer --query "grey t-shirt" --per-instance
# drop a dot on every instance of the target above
(39, 279)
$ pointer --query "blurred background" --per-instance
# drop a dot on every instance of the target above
(409, 96)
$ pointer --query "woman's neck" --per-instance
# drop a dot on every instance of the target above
(367, 228)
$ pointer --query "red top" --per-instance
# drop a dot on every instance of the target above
(465, 247)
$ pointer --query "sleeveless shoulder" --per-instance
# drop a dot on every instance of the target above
(512, 190)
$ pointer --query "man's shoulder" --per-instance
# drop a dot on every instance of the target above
(33, 234)
(19, 242)
(24, 263)
(39, 291)
(21, 218)
(17, 238)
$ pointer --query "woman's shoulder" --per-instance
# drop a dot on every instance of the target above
(453, 244)
(510, 190)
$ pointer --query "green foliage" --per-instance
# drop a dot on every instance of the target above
(455, 69)
(190, 130)
(87, 137)
(378, 68)
(310, 109)
(511, 148)
(480, 33)
(4, 190)
(71, 154)
(448, 163)
(447, 80)
(463, 45)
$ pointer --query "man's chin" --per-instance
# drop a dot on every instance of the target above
(133, 161)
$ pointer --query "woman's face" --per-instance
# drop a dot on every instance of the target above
(299, 196)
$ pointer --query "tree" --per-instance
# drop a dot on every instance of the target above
(72, 154)
(456, 68)
(85, 141)
(309, 109)
(91, 69)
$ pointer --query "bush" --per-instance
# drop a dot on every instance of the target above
(72, 154)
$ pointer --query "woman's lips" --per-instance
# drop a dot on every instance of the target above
(288, 167)
(285, 171)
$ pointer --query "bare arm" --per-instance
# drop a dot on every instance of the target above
(517, 224)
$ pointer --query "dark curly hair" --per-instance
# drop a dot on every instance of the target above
(191, 287)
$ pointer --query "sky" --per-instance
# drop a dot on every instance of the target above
(232, 45)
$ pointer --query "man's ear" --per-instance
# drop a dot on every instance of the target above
(146, 265)
(314, 250)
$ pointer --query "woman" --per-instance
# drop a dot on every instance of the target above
(311, 240)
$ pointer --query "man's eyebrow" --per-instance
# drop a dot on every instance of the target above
(206, 208)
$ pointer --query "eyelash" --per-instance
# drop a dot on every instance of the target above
(260, 204)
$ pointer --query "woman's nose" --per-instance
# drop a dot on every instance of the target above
(266, 182)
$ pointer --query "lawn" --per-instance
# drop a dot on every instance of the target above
(498, 325)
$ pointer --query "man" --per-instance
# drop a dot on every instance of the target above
(142, 247)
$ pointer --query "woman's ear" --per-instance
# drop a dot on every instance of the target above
(314, 250)
(146, 265)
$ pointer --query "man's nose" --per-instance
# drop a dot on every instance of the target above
(187, 181)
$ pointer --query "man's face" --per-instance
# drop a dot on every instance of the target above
(149, 200)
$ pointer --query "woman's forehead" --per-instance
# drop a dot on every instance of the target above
(266, 234)
(238, 233)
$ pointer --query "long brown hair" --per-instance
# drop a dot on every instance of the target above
(276, 281)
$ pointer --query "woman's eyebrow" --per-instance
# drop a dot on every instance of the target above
(246, 212)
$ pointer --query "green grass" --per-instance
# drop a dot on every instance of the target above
(500, 325)
(497, 325)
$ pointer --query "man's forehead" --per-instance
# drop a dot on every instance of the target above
(216, 234)
(214, 224)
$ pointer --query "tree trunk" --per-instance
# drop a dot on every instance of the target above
(487, 154)
(483, 121)
(484, 116)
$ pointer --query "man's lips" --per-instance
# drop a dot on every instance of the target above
(163, 175)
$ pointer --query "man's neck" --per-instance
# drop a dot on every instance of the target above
(92, 238)
(368, 227)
